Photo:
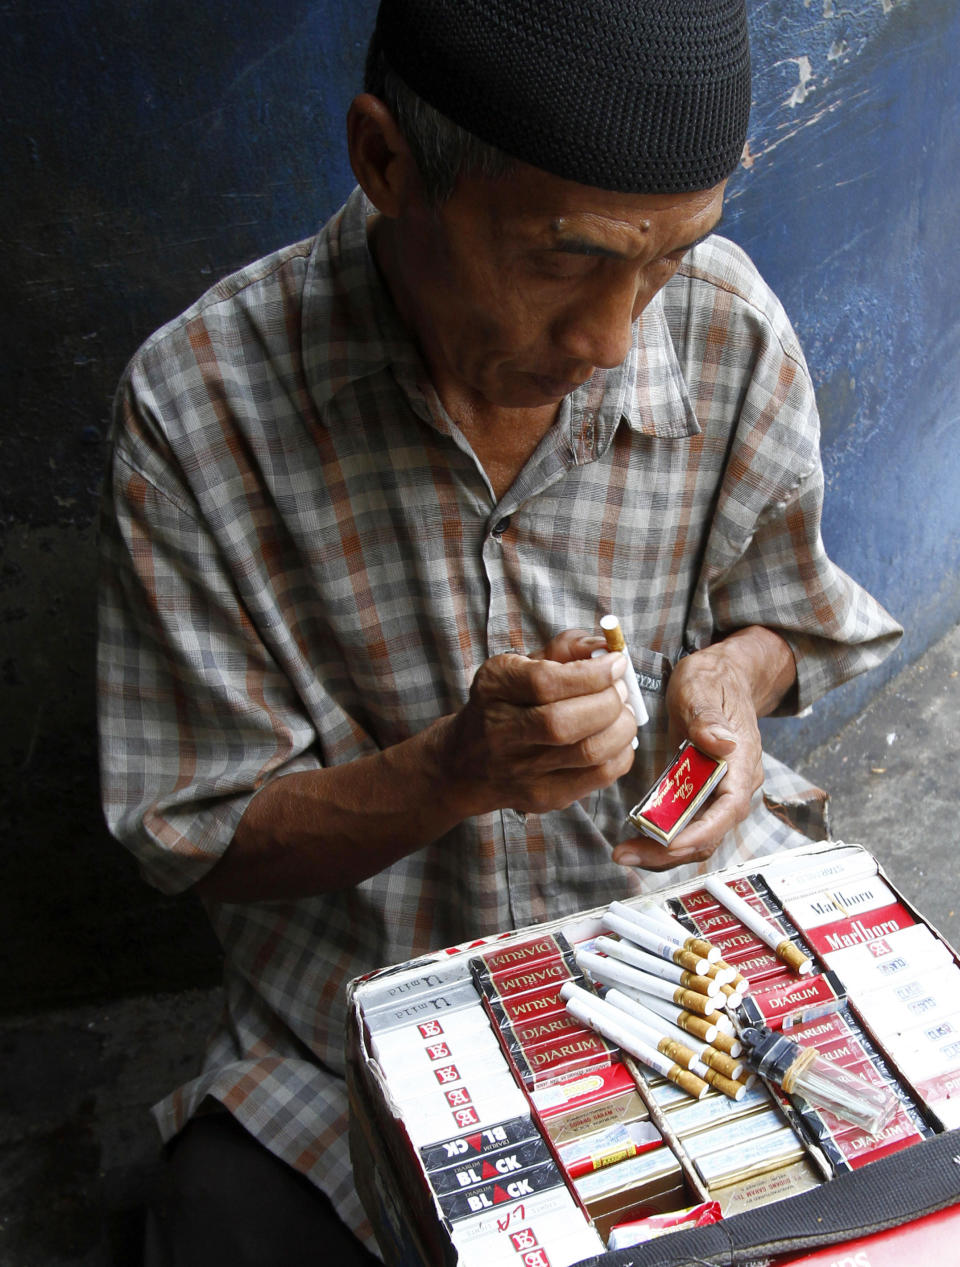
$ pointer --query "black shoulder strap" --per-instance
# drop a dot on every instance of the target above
(907, 1185)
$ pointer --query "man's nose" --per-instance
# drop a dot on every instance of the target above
(598, 328)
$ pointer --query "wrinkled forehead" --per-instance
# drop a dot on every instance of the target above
(535, 207)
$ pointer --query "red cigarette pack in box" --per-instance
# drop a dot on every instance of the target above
(678, 793)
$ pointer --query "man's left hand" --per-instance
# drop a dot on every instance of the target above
(714, 699)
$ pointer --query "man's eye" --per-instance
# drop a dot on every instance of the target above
(563, 264)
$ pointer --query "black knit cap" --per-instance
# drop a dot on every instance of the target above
(640, 96)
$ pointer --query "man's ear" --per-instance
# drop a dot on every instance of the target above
(379, 154)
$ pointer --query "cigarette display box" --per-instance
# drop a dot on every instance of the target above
(490, 1126)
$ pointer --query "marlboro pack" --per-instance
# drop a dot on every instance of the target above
(884, 961)
(796, 873)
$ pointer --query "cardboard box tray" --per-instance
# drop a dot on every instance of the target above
(390, 1178)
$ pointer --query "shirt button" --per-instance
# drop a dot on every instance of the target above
(500, 528)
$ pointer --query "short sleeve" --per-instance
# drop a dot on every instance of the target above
(194, 714)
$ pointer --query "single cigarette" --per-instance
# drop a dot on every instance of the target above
(722, 973)
(615, 642)
(664, 968)
(781, 946)
(650, 912)
(726, 1042)
(738, 979)
(607, 971)
(604, 1021)
(665, 946)
(690, 1022)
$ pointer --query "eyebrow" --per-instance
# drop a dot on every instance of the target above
(575, 245)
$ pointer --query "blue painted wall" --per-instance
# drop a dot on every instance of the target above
(149, 148)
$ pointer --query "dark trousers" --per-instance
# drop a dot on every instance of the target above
(224, 1198)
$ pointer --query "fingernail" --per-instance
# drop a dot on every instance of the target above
(628, 859)
(721, 732)
(589, 640)
(621, 688)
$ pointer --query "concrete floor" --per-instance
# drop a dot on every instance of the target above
(77, 1142)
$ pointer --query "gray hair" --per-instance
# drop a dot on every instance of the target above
(442, 150)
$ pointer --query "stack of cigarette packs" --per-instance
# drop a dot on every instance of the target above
(542, 1097)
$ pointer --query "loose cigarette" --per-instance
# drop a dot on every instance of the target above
(726, 1042)
(608, 971)
(650, 912)
(650, 940)
(615, 642)
(723, 974)
(664, 968)
(781, 946)
(736, 977)
(690, 1022)
(718, 1060)
(604, 1021)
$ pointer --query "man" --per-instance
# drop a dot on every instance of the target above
(368, 502)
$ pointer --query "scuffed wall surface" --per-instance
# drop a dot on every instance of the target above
(151, 148)
(848, 202)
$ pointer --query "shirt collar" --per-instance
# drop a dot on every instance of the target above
(351, 329)
(654, 399)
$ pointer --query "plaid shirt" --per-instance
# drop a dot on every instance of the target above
(304, 563)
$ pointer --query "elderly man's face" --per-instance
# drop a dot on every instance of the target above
(519, 288)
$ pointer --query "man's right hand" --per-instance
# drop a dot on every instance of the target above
(539, 732)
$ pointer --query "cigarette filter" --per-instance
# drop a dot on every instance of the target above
(607, 1021)
(668, 970)
(651, 914)
(761, 927)
(650, 940)
(615, 642)
(606, 971)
